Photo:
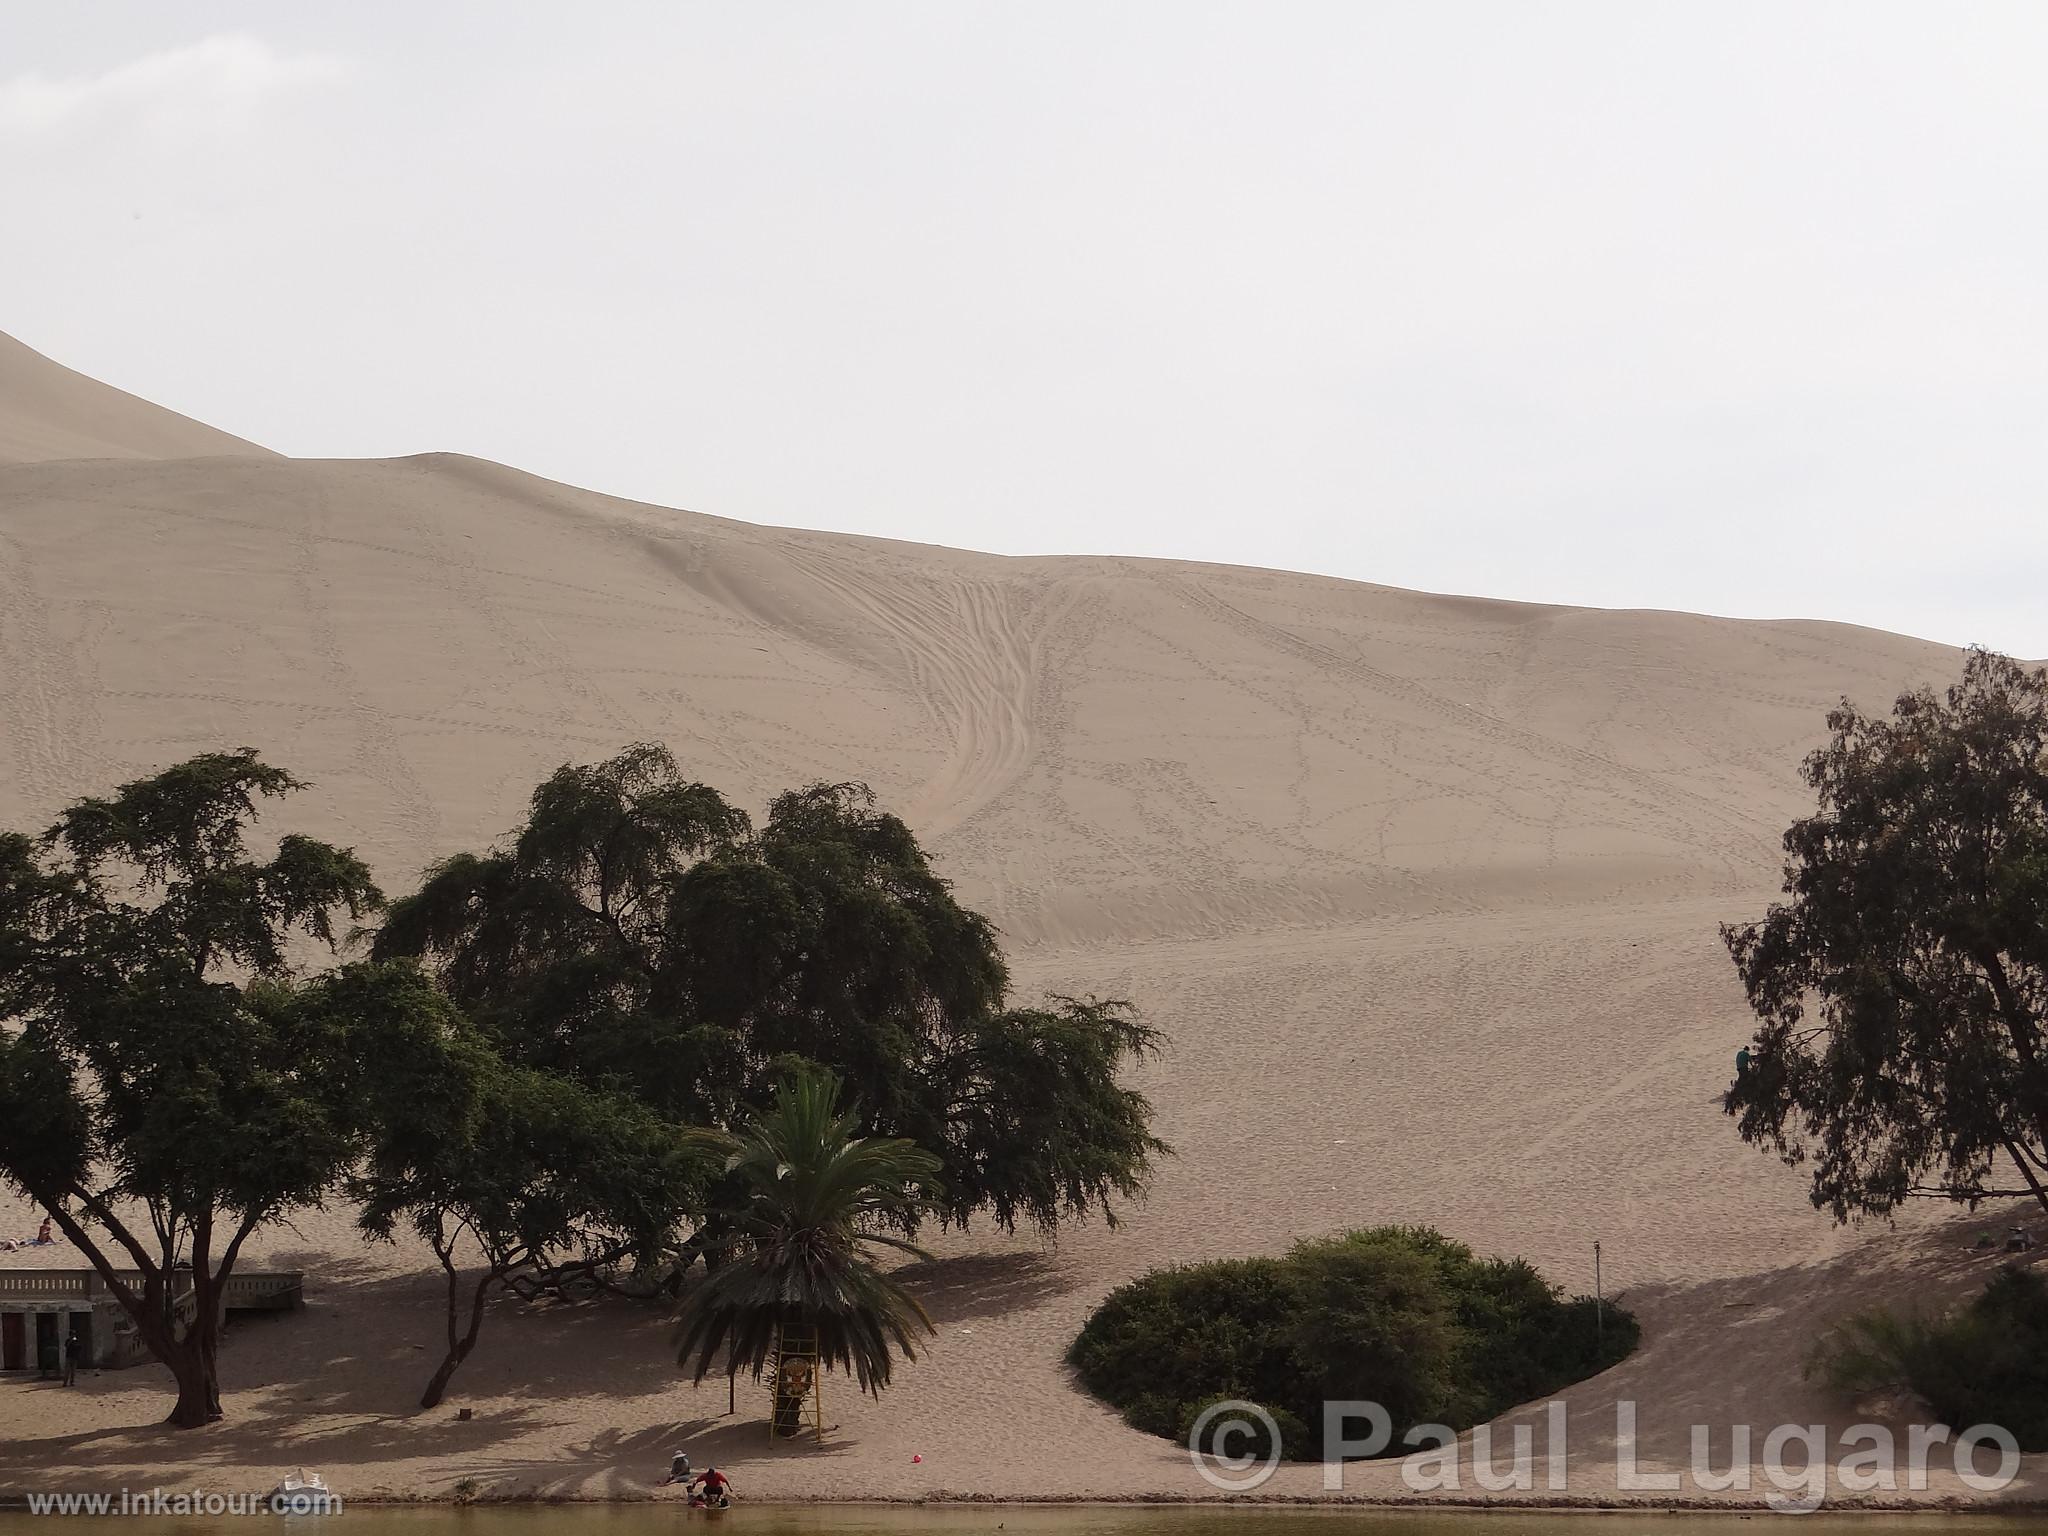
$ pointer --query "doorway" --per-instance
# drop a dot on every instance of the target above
(13, 1342)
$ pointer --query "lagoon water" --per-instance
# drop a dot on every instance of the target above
(670, 1519)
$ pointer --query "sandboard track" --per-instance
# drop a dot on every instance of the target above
(970, 649)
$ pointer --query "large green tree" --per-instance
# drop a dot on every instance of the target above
(525, 1181)
(1902, 985)
(817, 1196)
(639, 932)
(166, 1088)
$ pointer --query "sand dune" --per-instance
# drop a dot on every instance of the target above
(49, 412)
(1424, 890)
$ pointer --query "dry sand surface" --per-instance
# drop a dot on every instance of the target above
(1424, 890)
(49, 412)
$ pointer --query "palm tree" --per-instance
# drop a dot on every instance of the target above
(800, 1264)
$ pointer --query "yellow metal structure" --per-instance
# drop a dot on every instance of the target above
(795, 1388)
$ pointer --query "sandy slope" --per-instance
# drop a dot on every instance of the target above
(1424, 889)
(49, 412)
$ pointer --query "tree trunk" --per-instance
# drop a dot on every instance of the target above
(2018, 1154)
(438, 1387)
(190, 1356)
(460, 1345)
(194, 1369)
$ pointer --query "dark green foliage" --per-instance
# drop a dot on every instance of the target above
(1297, 1441)
(1400, 1316)
(538, 1177)
(1039, 1127)
(1381, 1307)
(165, 1088)
(1984, 1363)
(1903, 986)
(815, 1194)
(1184, 1335)
(639, 934)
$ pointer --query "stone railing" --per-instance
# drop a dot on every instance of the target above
(272, 1289)
(51, 1283)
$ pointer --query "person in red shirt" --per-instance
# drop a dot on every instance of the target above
(717, 1488)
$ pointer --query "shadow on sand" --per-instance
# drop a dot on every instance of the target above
(338, 1384)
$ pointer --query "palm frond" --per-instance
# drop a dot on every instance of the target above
(817, 1195)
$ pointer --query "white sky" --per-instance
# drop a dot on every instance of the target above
(1718, 306)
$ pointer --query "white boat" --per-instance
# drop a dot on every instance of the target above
(301, 1493)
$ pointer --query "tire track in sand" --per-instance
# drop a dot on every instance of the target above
(971, 651)
(1720, 830)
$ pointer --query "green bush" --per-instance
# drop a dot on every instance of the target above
(1984, 1363)
(1296, 1443)
(1400, 1316)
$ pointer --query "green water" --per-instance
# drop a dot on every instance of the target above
(878, 1520)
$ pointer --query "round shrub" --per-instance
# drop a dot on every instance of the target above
(1401, 1316)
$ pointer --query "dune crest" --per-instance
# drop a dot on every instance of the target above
(49, 412)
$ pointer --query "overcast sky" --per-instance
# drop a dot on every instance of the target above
(1716, 306)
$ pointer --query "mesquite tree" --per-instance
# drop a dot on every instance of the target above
(640, 933)
(1903, 984)
(524, 1181)
(165, 1089)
